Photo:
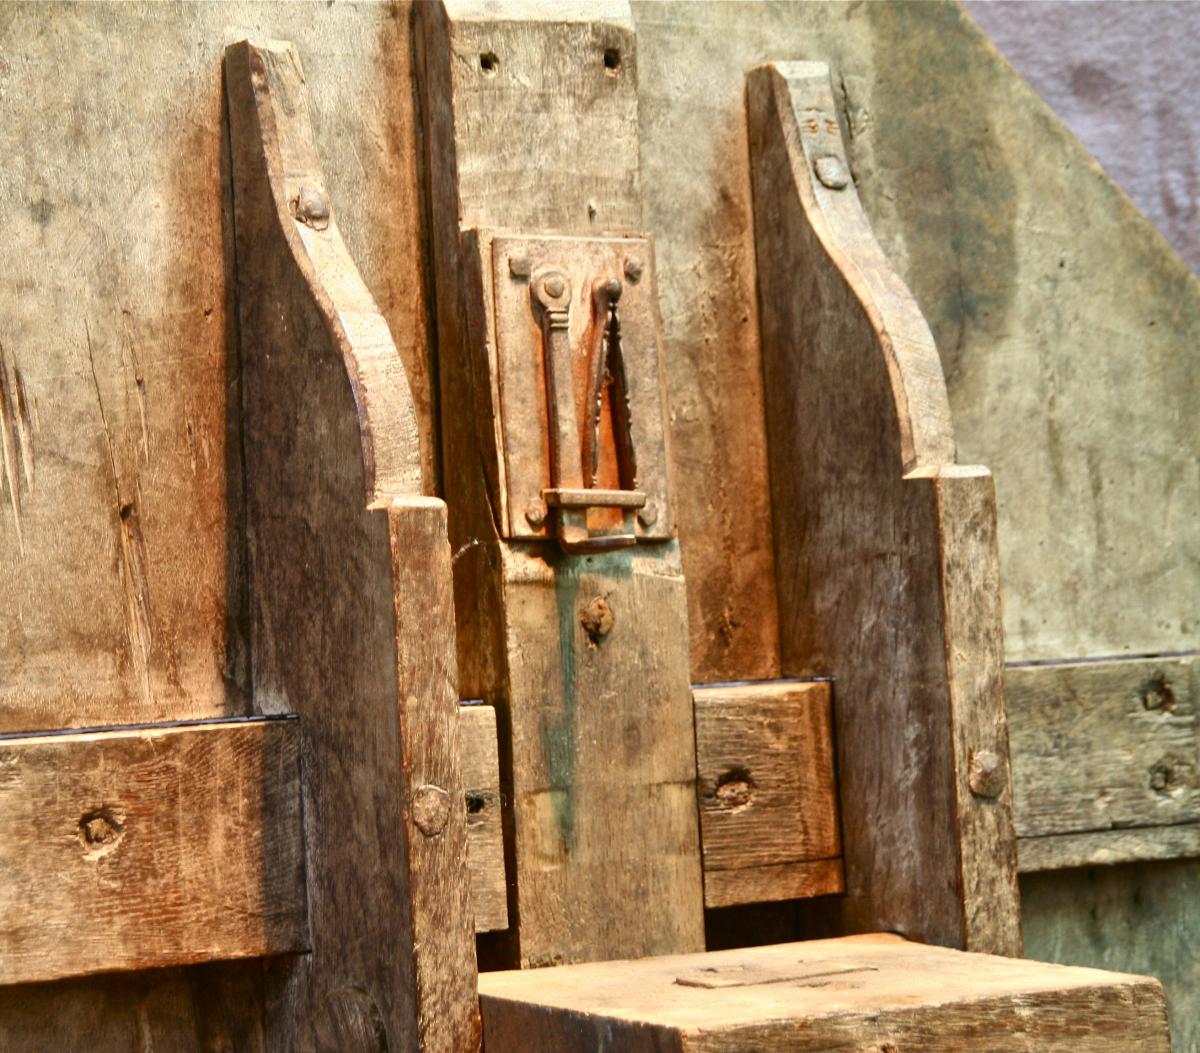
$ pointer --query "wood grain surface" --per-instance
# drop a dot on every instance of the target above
(147, 847)
(767, 792)
(885, 548)
(352, 619)
(852, 994)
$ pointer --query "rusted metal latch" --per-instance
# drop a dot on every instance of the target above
(571, 330)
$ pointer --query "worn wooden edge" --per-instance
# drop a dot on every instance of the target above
(152, 846)
(485, 836)
(357, 328)
(1107, 847)
(804, 879)
(844, 232)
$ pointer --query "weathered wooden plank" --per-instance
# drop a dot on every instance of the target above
(532, 127)
(1107, 847)
(1104, 745)
(856, 993)
(136, 848)
(885, 547)
(767, 793)
(485, 837)
(351, 605)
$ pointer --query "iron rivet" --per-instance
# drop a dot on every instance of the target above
(430, 809)
(648, 514)
(312, 207)
(596, 619)
(985, 774)
(613, 289)
(633, 269)
(555, 286)
(520, 266)
(535, 513)
(831, 172)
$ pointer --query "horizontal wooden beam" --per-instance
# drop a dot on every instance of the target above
(1104, 760)
(132, 848)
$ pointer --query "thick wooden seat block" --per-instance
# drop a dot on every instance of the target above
(877, 993)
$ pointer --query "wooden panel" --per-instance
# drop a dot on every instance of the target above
(767, 793)
(532, 127)
(352, 624)
(1105, 765)
(859, 993)
(485, 838)
(136, 848)
(885, 547)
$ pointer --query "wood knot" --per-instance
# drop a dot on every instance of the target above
(430, 809)
(312, 207)
(735, 789)
(596, 619)
(1156, 693)
(100, 830)
(985, 774)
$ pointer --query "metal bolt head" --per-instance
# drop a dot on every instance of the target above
(596, 619)
(554, 286)
(633, 269)
(831, 172)
(430, 809)
(535, 513)
(520, 266)
(985, 774)
(613, 289)
(312, 207)
(648, 514)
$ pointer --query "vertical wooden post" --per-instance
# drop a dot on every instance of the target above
(351, 607)
(531, 127)
(886, 548)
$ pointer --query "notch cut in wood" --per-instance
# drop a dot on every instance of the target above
(140, 848)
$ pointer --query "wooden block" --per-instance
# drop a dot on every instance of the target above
(135, 848)
(1104, 761)
(885, 547)
(485, 837)
(767, 793)
(876, 993)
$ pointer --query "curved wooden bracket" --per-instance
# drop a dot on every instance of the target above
(289, 171)
(886, 549)
(352, 618)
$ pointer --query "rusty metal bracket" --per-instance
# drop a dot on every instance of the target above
(573, 352)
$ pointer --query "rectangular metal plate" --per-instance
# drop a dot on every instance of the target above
(520, 381)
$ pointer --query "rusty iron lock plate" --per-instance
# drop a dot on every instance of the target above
(570, 327)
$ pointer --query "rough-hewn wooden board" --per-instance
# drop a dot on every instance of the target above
(532, 127)
(1106, 847)
(117, 325)
(773, 882)
(146, 847)
(1140, 917)
(1104, 745)
(352, 622)
(485, 838)
(885, 547)
(767, 793)
(825, 996)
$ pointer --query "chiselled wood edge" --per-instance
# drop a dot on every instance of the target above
(769, 884)
(802, 98)
(382, 397)
(1108, 847)
(130, 848)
